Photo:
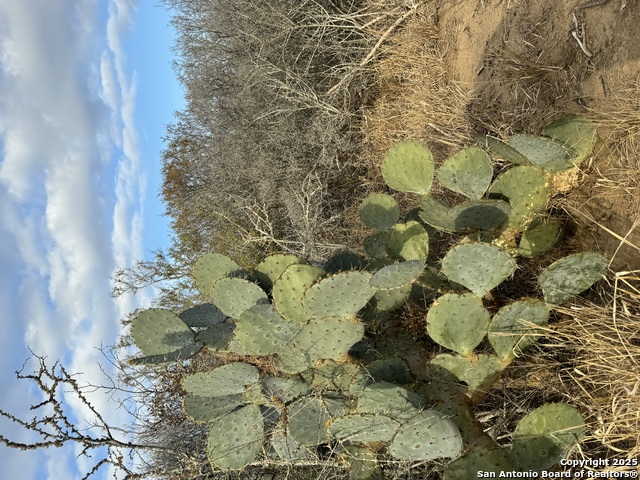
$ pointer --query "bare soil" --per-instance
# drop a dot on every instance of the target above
(521, 65)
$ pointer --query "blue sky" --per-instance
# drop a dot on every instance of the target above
(86, 89)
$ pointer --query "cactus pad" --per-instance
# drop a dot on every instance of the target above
(211, 267)
(329, 337)
(541, 437)
(286, 447)
(458, 322)
(480, 215)
(202, 316)
(408, 241)
(408, 167)
(388, 300)
(218, 337)
(547, 154)
(307, 420)
(526, 189)
(510, 332)
(261, 330)
(427, 436)
(229, 379)
(234, 295)
(341, 295)
(436, 213)
(379, 211)
(344, 261)
(478, 372)
(285, 389)
(503, 150)
(397, 275)
(388, 399)
(540, 237)
(290, 288)
(390, 370)
(332, 375)
(571, 275)
(575, 132)
(375, 245)
(478, 266)
(207, 409)
(157, 331)
(236, 438)
(467, 172)
(479, 460)
(270, 269)
(174, 356)
(364, 428)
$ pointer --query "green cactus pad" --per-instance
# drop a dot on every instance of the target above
(218, 337)
(478, 372)
(547, 154)
(376, 245)
(229, 379)
(397, 275)
(503, 151)
(390, 370)
(285, 389)
(408, 241)
(236, 438)
(571, 275)
(458, 322)
(408, 167)
(341, 295)
(480, 215)
(436, 213)
(157, 331)
(509, 331)
(287, 448)
(541, 437)
(292, 361)
(332, 375)
(379, 211)
(210, 268)
(492, 461)
(307, 420)
(480, 267)
(174, 356)
(364, 428)
(290, 288)
(208, 409)
(388, 300)
(261, 330)
(574, 132)
(344, 261)
(234, 295)
(329, 337)
(526, 189)
(202, 316)
(427, 436)
(270, 269)
(540, 237)
(388, 399)
(364, 464)
(467, 172)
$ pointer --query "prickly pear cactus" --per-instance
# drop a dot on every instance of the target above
(379, 211)
(210, 268)
(468, 172)
(408, 167)
(157, 331)
(458, 322)
(571, 275)
(478, 266)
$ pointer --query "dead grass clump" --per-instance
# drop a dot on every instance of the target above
(414, 95)
(603, 375)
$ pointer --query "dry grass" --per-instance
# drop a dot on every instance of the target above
(414, 96)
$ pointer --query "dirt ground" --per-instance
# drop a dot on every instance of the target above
(522, 65)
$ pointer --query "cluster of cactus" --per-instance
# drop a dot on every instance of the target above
(339, 380)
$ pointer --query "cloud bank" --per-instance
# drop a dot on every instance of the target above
(71, 187)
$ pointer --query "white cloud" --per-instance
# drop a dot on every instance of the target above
(71, 185)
